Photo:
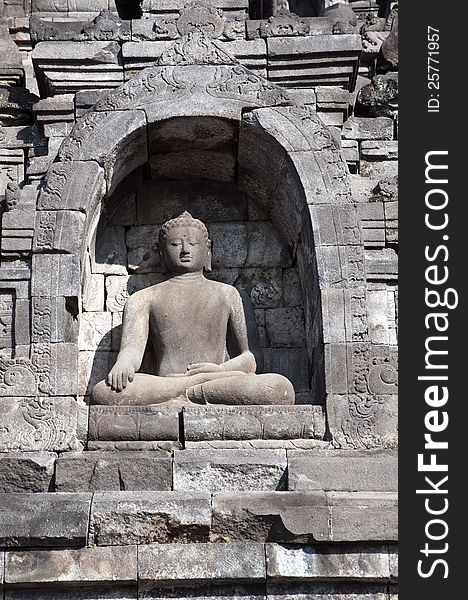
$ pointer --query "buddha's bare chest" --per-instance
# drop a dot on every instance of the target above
(185, 313)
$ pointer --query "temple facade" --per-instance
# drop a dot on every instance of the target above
(275, 124)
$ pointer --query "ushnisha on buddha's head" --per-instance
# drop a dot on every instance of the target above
(184, 245)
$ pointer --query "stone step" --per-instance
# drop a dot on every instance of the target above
(213, 470)
(70, 520)
(159, 570)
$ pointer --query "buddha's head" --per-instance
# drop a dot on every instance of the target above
(184, 245)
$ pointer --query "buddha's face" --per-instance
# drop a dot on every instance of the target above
(185, 250)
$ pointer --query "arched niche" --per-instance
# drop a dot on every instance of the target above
(198, 109)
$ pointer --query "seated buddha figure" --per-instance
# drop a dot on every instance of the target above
(188, 319)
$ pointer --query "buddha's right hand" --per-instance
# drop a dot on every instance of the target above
(121, 374)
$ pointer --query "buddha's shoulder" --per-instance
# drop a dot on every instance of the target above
(145, 295)
(221, 288)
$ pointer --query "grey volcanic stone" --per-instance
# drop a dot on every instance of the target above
(121, 518)
(119, 471)
(343, 471)
(86, 565)
(229, 470)
(319, 563)
(205, 423)
(125, 592)
(26, 471)
(271, 516)
(362, 128)
(380, 97)
(44, 519)
(197, 563)
(232, 591)
(16, 106)
(329, 590)
(360, 516)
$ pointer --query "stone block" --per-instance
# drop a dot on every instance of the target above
(341, 266)
(67, 67)
(382, 264)
(115, 471)
(59, 231)
(230, 244)
(95, 331)
(265, 247)
(373, 223)
(343, 471)
(93, 292)
(232, 591)
(329, 590)
(206, 200)
(220, 563)
(116, 140)
(285, 327)
(271, 516)
(121, 518)
(26, 471)
(335, 225)
(110, 253)
(42, 424)
(96, 592)
(344, 315)
(229, 470)
(365, 128)
(363, 516)
(93, 566)
(292, 287)
(33, 520)
(154, 422)
(379, 150)
(310, 67)
(55, 275)
(253, 423)
(263, 286)
(322, 563)
(379, 169)
(362, 188)
(219, 165)
(142, 246)
(293, 363)
(63, 367)
(381, 308)
(62, 180)
(345, 420)
(350, 149)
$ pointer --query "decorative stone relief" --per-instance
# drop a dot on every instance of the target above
(374, 369)
(6, 319)
(195, 48)
(199, 17)
(363, 420)
(42, 424)
(17, 377)
(284, 23)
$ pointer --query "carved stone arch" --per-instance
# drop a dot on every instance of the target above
(286, 159)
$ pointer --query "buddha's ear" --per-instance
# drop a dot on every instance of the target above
(162, 262)
(208, 257)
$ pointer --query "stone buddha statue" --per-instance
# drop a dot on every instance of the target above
(188, 319)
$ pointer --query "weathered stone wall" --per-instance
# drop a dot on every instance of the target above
(280, 131)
